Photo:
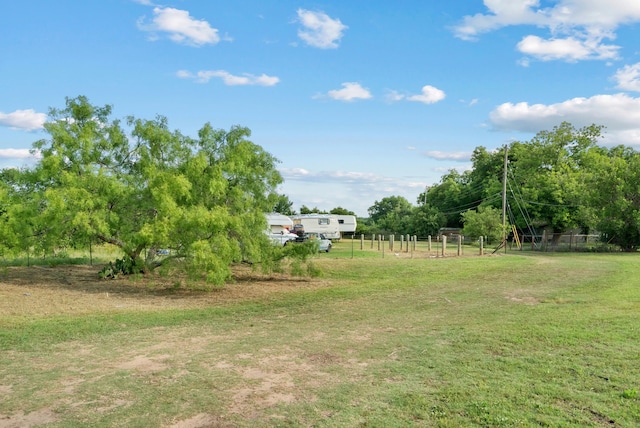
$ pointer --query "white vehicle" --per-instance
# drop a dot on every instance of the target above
(347, 223)
(327, 224)
(281, 238)
(324, 244)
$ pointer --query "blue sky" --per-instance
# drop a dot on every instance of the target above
(359, 100)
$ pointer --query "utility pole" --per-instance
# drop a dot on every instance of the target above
(504, 199)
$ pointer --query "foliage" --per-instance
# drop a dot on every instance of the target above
(425, 220)
(547, 172)
(459, 192)
(145, 189)
(124, 266)
(341, 211)
(612, 183)
(391, 214)
(484, 221)
(315, 210)
(284, 205)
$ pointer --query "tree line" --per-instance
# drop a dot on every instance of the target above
(197, 204)
(560, 180)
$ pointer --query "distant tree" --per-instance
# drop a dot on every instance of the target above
(459, 192)
(546, 173)
(426, 220)
(284, 205)
(611, 183)
(341, 211)
(483, 221)
(391, 214)
(315, 210)
(452, 196)
(8, 239)
(204, 199)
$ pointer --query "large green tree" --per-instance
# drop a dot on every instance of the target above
(425, 220)
(452, 196)
(149, 188)
(484, 221)
(391, 214)
(546, 174)
(284, 205)
(612, 187)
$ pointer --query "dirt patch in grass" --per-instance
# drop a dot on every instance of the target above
(22, 420)
(264, 380)
(75, 289)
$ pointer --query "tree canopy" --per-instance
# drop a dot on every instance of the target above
(146, 189)
(559, 180)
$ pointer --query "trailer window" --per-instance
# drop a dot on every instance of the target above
(340, 221)
(323, 221)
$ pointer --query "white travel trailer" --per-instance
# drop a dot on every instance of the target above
(347, 223)
(327, 224)
(279, 223)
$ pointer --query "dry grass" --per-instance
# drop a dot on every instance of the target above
(495, 341)
(75, 290)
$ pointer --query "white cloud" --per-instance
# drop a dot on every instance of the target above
(577, 28)
(429, 95)
(181, 27)
(350, 91)
(619, 113)
(393, 96)
(27, 120)
(320, 30)
(502, 13)
(570, 49)
(329, 189)
(449, 156)
(18, 154)
(228, 78)
(628, 78)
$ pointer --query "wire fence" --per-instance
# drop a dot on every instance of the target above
(456, 245)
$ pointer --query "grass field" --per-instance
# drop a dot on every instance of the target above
(522, 339)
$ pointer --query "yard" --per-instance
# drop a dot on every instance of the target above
(401, 340)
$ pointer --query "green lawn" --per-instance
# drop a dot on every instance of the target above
(522, 339)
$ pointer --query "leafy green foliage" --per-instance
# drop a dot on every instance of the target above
(484, 221)
(391, 214)
(547, 170)
(612, 186)
(283, 205)
(426, 220)
(144, 188)
(341, 211)
(306, 210)
(124, 266)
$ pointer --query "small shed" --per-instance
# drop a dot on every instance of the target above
(450, 232)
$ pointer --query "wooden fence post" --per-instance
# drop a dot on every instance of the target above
(444, 245)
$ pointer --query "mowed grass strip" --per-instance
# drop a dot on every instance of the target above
(515, 340)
